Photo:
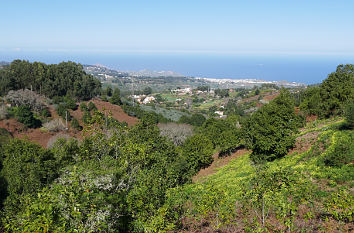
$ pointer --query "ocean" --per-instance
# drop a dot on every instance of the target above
(308, 69)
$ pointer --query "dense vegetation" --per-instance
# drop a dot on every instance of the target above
(66, 78)
(139, 179)
(332, 96)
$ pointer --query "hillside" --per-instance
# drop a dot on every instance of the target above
(320, 201)
(46, 138)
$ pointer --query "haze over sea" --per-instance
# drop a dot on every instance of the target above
(302, 68)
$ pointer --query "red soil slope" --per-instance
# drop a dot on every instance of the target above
(42, 137)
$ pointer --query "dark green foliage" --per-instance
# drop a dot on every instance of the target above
(257, 92)
(86, 118)
(349, 115)
(196, 119)
(109, 91)
(63, 112)
(269, 132)
(45, 113)
(233, 108)
(75, 124)
(65, 151)
(91, 106)
(222, 93)
(159, 98)
(203, 88)
(342, 153)
(197, 151)
(115, 99)
(147, 91)
(330, 98)
(25, 116)
(224, 134)
(83, 107)
(66, 78)
(69, 103)
(26, 168)
(5, 136)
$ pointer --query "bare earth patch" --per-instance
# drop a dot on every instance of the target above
(304, 142)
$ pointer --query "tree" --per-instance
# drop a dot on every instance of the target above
(332, 95)
(198, 151)
(65, 78)
(147, 91)
(109, 91)
(269, 132)
(349, 115)
(115, 99)
(26, 168)
(337, 90)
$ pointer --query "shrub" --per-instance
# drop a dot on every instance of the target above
(26, 168)
(115, 99)
(75, 124)
(4, 136)
(83, 107)
(349, 115)
(25, 116)
(269, 132)
(91, 106)
(63, 112)
(70, 103)
(86, 118)
(45, 113)
(28, 98)
(342, 153)
(54, 125)
(198, 151)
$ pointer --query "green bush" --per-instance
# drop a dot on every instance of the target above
(26, 168)
(349, 115)
(270, 131)
(75, 124)
(4, 136)
(63, 112)
(91, 106)
(45, 113)
(25, 116)
(83, 107)
(115, 99)
(70, 103)
(342, 153)
(86, 118)
(198, 151)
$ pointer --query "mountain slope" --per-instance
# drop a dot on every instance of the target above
(300, 192)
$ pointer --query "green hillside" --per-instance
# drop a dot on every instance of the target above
(308, 190)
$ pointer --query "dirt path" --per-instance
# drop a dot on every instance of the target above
(217, 163)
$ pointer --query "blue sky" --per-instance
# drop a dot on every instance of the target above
(248, 26)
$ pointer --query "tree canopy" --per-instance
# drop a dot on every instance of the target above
(65, 78)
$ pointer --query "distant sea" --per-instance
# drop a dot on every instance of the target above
(309, 69)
